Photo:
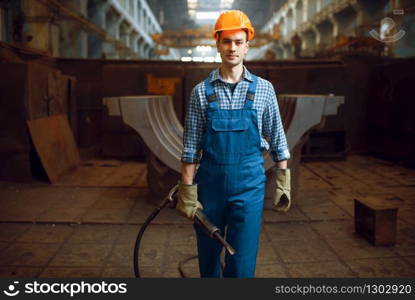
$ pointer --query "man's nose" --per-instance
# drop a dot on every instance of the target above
(232, 46)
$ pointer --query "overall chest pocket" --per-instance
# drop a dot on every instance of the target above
(220, 125)
(229, 135)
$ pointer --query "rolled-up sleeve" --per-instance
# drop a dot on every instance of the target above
(273, 129)
(193, 129)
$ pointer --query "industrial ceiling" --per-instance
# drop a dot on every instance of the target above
(182, 14)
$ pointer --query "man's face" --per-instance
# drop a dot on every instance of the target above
(232, 46)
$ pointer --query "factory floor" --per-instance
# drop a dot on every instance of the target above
(81, 229)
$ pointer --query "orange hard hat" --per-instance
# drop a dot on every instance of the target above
(234, 19)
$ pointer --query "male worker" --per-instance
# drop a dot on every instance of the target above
(230, 117)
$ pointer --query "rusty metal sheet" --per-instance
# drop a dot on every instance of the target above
(162, 85)
(55, 145)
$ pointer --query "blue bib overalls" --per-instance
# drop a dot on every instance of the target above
(231, 185)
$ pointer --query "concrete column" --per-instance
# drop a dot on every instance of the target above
(109, 51)
(318, 37)
(142, 46)
(309, 42)
(344, 22)
(143, 50)
(67, 39)
(133, 40)
(324, 34)
(95, 46)
(305, 8)
(324, 3)
(283, 26)
(288, 51)
(161, 16)
(140, 14)
(122, 3)
(113, 21)
(125, 30)
(318, 5)
(146, 51)
(97, 10)
(112, 24)
(335, 26)
(299, 13)
(138, 47)
(146, 22)
(151, 53)
(279, 53)
(129, 6)
(143, 20)
(123, 53)
(150, 26)
(290, 21)
(311, 8)
(73, 40)
(135, 10)
(82, 44)
(80, 38)
(30, 24)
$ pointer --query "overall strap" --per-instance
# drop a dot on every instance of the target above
(210, 94)
(250, 94)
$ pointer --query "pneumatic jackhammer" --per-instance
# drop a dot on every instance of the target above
(200, 218)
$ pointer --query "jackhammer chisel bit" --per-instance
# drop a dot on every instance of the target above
(203, 221)
(212, 230)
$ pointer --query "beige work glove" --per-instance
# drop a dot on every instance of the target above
(282, 196)
(187, 202)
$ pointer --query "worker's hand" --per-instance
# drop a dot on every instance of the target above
(187, 202)
(282, 196)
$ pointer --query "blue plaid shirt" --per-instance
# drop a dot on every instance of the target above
(269, 120)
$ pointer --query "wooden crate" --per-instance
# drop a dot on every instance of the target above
(376, 220)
